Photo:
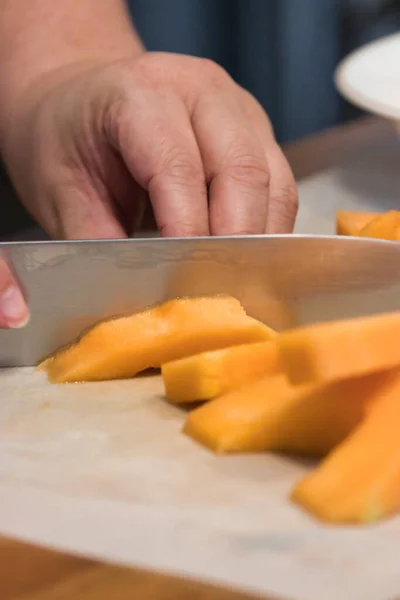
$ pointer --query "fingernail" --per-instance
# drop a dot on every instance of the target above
(13, 307)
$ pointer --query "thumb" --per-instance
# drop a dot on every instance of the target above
(13, 310)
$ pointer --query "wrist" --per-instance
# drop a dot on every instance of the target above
(44, 41)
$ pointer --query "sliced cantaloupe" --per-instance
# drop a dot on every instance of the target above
(337, 350)
(384, 227)
(123, 347)
(350, 222)
(271, 414)
(359, 481)
(211, 374)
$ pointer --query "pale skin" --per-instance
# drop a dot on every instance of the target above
(92, 126)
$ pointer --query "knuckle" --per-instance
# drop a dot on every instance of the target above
(116, 116)
(125, 67)
(246, 168)
(254, 108)
(215, 74)
(152, 70)
(142, 69)
(116, 77)
(251, 100)
(178, 165)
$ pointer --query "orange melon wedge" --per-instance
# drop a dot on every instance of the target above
(359, 481)
(340, 349)
(350, 222)
(384, 227)
(211, 374)
(122, 347)
(271, 414)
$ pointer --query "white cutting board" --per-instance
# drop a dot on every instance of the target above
(103, 470)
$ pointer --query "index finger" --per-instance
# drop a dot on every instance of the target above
(235, 165)
(158, 145)
(283, 196)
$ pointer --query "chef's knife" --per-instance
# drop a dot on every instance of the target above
(282, 280)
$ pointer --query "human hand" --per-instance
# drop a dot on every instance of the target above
(86, 149)
(13, 310)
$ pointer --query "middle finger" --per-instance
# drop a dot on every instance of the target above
(235, 166)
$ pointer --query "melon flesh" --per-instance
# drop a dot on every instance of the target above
(273, 415)
(384, 227)
(359, 482)
(211, 374)
(340, 349)
(350, 222)
(122, 347)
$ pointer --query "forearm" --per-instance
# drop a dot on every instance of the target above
(43, 36)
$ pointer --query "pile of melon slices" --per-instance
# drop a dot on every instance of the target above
(331, 391)
(384, 226)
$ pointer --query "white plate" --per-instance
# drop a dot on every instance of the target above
(370, 77)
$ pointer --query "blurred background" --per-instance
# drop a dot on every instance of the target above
(283, 51)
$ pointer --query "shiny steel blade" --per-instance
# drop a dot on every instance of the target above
(282, 280)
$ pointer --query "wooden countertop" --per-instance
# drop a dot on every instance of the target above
(30, 573)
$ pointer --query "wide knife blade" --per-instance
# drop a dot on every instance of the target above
(282, 280)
